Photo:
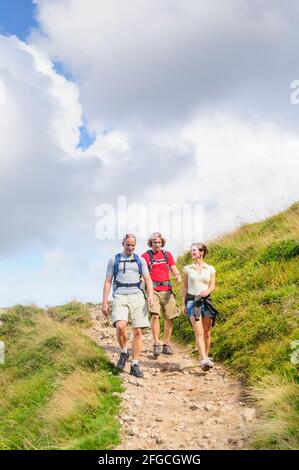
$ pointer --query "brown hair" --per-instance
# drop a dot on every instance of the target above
(156, 235)
(201, 246)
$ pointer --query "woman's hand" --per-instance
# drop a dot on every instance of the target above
(184, 311)
(205, 293)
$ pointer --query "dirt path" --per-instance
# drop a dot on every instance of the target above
(176, 405)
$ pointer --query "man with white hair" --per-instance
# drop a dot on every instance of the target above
(160, 262)
(126, 272)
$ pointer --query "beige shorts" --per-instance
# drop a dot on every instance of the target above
(164, 302)
(133, 305)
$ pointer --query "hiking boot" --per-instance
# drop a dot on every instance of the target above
(156, 350)
(136, 371)
(122, 360)
(167, 349)
(205, 364)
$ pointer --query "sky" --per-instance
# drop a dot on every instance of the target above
(17, 17)
(138, 116)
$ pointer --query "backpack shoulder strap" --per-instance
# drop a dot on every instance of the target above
(151, 256)
(165, 257)
(139, 264)
(116, 264)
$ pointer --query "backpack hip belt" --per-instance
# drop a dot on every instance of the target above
(126, 284)
(165, 283)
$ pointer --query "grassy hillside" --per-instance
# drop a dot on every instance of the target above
(257, 295)
(56, 387)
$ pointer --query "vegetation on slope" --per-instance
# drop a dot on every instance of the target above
(56, 386)
(257, 332)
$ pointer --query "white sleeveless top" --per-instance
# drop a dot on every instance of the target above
(198, 281)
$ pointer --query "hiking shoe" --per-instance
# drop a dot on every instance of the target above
(211, 363)
(205, 364)
(136, 371)
(156, 350)
(122, 360)
(166, 349)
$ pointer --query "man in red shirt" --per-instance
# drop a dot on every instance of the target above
(160, 262)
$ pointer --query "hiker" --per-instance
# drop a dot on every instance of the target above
(126, 271)
(199, 282)
(160, 262)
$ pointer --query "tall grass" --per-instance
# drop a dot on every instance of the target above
(56, 386)
(278, 401)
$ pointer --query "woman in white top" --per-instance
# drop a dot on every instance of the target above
(199, 282)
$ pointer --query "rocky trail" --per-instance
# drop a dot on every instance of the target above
(176, 405)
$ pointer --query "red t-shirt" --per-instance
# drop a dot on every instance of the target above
(159, 272)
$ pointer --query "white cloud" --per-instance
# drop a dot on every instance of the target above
(2, 92)
(68, 116)
(241, 171)
(167, 89)
(43, 176)
(111, 148)
(163, 62)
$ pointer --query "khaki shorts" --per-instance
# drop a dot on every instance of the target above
(164, 301)
(134, 305)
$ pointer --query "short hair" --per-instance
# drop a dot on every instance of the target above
(128, 235)
(156, 235)
(201, 246)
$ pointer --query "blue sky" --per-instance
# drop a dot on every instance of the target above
(17, 17)
(100, 107)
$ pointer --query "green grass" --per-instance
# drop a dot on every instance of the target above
(56, 386)
(257, 297)
(72, 313)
